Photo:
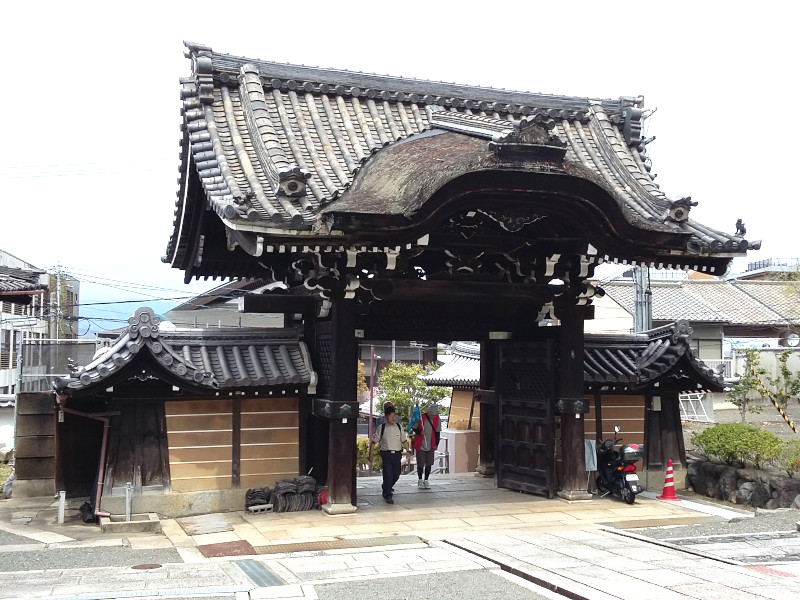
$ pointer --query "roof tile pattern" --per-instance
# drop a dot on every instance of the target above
(671, 301)
(15, 281)
(462, 370)
(274, 145)
(629, 361)
(214, 359)
(735, 302)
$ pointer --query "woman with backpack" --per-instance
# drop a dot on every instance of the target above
(426, 440)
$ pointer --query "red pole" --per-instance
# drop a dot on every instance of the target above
(371, 407)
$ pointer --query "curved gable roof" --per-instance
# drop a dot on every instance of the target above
(276, 150)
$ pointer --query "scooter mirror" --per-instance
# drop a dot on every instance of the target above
(616, 428)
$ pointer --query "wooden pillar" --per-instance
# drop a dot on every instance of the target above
(342, 419)
(571, 402)
(487, 396)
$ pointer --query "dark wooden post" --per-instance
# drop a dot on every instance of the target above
(343, 418)
(487, 397)
(571, 402)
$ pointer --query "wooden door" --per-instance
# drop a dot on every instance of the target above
(525, 457)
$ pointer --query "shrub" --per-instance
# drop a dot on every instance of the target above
(738, 444)
(789, 457)
(362, 455)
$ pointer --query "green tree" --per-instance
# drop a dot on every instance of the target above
(361, 383)
(785, 384)
(745, 394)
(401, 385)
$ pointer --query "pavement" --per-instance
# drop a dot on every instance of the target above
(464, 533)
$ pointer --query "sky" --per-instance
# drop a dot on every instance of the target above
(90, 100)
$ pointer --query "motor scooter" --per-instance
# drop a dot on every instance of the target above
(616, 471)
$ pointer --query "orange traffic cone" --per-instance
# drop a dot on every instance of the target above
(669, 485)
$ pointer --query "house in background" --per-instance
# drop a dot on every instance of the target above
(24, 314)
(718, 310)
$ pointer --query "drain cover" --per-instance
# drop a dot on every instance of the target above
(258, 573)
(146, 566)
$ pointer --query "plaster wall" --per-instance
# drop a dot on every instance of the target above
(609, 317)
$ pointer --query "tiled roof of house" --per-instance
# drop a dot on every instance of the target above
(776, 295)
(631, 361)
(278, 148)
(731, 302)
(18, 285)
(231, 359)
(462, 370)
(670, 300)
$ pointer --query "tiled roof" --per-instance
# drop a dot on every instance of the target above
(671, 301)
(631, 361)
(277, 147)
(18, 285)
(462, 370)
(637, 361)
(232, 359)
(774, 295)
(731, 302)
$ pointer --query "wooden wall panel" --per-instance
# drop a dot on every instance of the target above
(270, 441)
(201, 422)
(199, 454)
(268, 403)
(250, 451)
(269, 466)
(626, 411)
(269, 420)
(218, 468)
(199, 407)
(178, 439)
(460, 405)
(273, 436)
(201, 443)
(200, 438)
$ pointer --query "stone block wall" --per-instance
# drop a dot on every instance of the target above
(751, 487)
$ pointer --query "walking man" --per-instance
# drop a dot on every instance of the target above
(391, 440)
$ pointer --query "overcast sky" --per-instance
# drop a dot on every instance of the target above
(90, 100)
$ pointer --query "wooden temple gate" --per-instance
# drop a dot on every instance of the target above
(400, 209)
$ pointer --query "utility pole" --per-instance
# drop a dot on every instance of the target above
(643, 300)
(55, 304)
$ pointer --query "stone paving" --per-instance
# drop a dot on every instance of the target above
(463, 524)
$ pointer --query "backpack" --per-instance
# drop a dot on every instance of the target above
(383, 427)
